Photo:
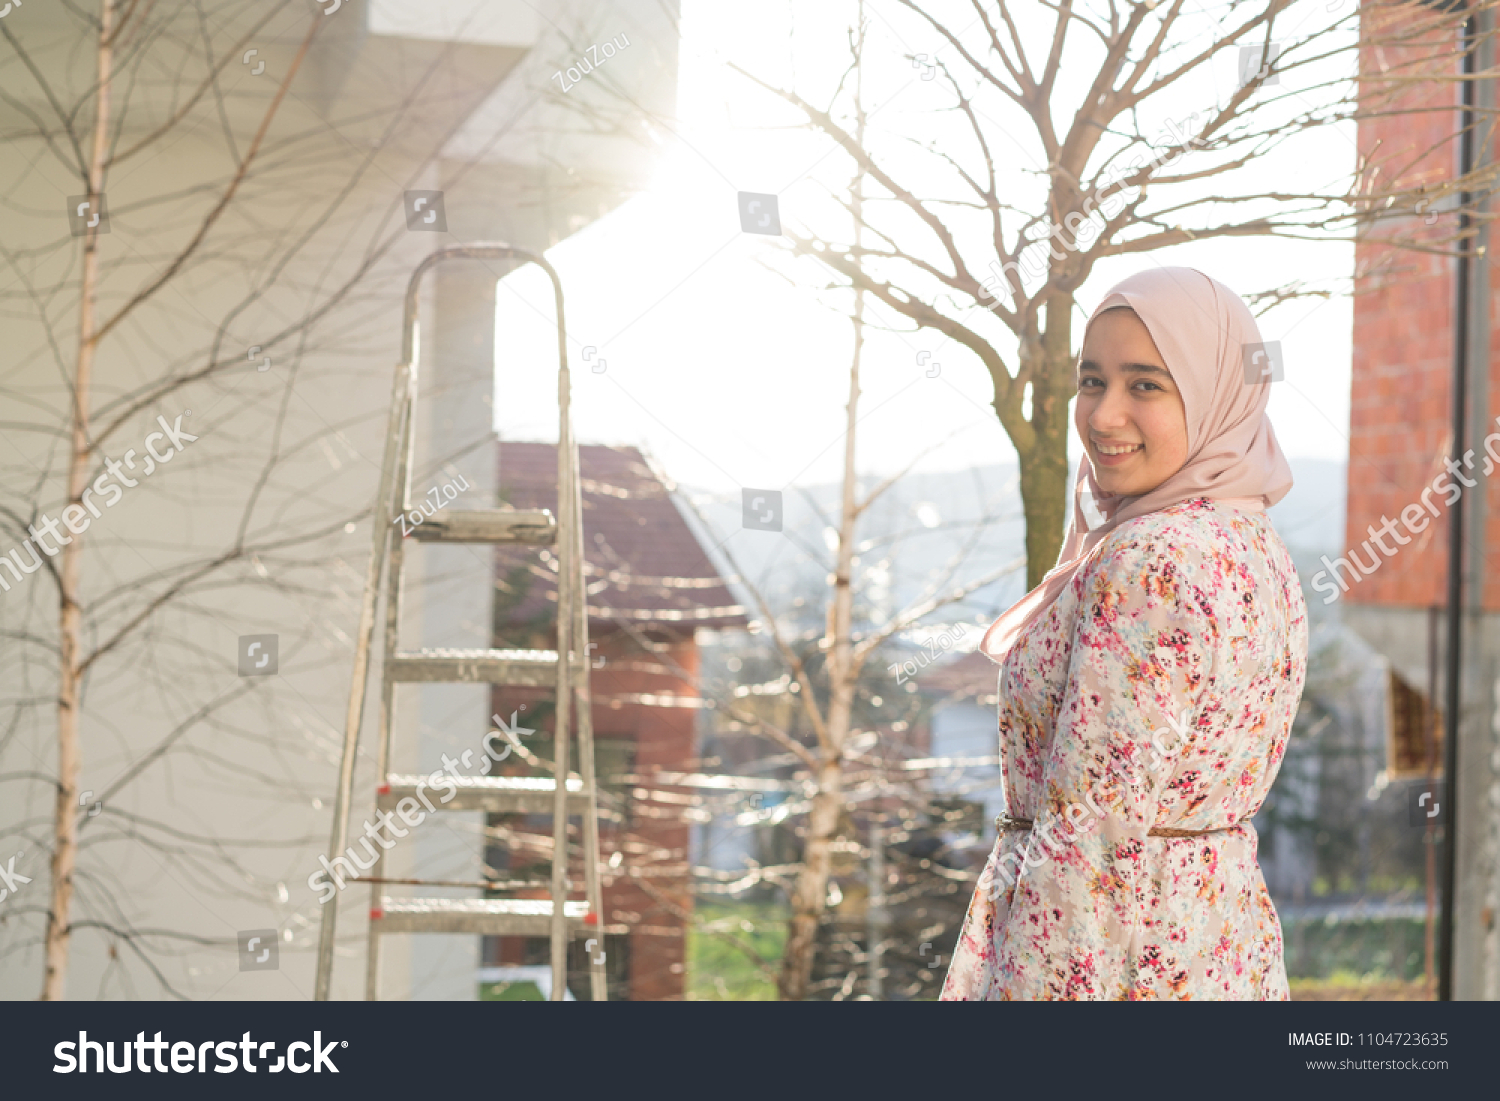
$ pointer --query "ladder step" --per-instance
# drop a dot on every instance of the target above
(494, 917)
(528, 668)
(529, 526)
(496, 794)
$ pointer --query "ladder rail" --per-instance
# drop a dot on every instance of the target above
(575, 655)
(395, 573)
(578, 613)
(560, 720)
(572, 632)
(380, 522)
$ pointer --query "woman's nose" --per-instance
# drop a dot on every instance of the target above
(1109, 412)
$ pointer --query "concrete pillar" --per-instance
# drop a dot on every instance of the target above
(455, 451)
(1476, 943)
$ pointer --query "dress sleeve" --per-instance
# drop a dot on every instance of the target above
(1145, 645)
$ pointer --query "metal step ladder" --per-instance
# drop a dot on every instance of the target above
(556, 917)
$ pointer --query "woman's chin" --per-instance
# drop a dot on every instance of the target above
(1110, 483)
(1122, 487)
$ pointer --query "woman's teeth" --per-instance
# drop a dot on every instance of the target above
(1117, 450)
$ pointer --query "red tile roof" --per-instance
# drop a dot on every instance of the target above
(643, 564)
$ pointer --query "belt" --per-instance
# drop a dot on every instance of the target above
(1006, 824)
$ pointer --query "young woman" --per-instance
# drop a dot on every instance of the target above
(1148, 684)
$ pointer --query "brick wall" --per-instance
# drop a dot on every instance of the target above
(1399, 413)
(654, 890)
(650, 892)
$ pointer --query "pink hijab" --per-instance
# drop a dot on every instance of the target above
(1201, 328)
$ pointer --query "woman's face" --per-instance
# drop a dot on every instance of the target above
(1129, 414)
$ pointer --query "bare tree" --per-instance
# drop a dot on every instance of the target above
(959, 248)
(160, 302)
(826, 689)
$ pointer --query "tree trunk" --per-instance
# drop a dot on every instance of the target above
(69, 620)
(1044, 500)
(810, 897)
(1045, 490)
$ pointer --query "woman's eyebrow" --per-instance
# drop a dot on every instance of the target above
(1133, 368)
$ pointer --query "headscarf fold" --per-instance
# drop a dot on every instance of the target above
(1206, 335)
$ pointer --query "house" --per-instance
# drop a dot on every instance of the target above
(965, 741)
(651, 589)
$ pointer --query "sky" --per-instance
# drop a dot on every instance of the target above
(704, 346)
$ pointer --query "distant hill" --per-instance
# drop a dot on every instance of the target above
(1311, 517)
(921, 524)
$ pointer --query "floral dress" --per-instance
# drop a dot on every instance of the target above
(1158, 690)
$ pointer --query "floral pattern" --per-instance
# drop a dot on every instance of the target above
(1158, 690)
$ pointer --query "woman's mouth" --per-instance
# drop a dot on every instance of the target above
(1115, 453)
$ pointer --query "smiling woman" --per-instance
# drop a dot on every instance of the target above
(1129, 413)
(1124, 868)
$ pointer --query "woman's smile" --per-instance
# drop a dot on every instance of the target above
(1113, 454)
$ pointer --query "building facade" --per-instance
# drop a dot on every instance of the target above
(1404, 476)
(262, 225)
(651, 590)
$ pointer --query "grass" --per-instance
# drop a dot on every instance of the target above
(1354, 961)
(1346, 986)
(1390, 950)
(719, 971)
